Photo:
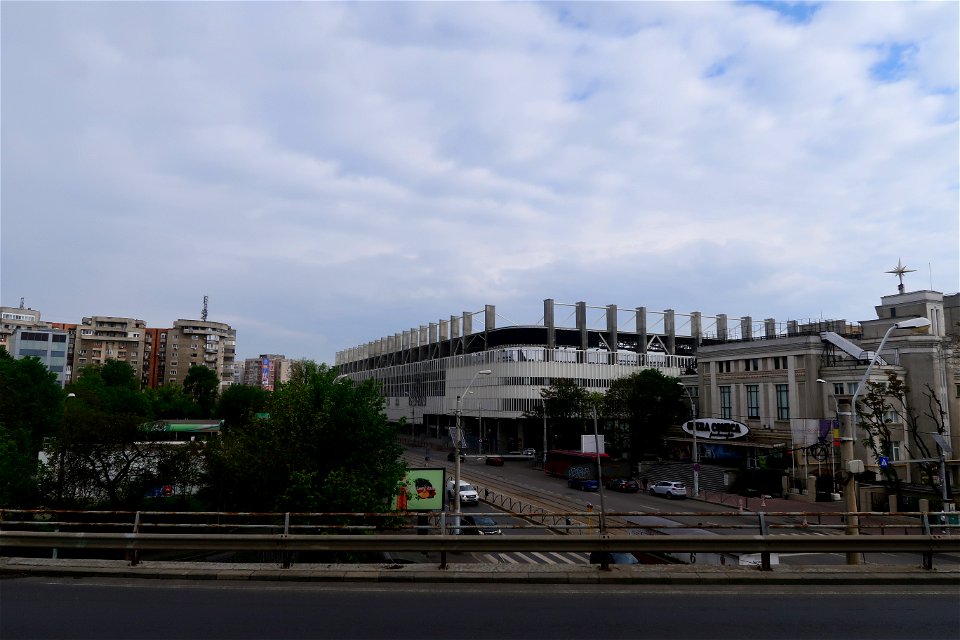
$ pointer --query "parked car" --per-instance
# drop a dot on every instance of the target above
(669, 488)
(477, 525)
(627, 485)
(468, 495)
(494, 461)
(596, 557)
(583, 484)
(524, 452)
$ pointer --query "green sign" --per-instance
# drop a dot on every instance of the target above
(420, 490)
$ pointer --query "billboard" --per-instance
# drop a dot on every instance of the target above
(420, 490)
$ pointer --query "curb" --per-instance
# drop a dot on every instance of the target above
(469, 573)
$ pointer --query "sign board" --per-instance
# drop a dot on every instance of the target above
(420, 490)
(588, 444)
(944, 443)
(884, 461)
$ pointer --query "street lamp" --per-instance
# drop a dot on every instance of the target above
(696, 453)
(456, 453)
(833, 468)
(596, 448)
(850, 493)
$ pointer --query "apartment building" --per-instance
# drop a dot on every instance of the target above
(13, 318)
(101, 338)
(266, 371)
(46, 344)
(199, 342)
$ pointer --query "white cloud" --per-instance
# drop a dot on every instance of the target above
(332, 173)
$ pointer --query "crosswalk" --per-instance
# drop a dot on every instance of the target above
(534, 557)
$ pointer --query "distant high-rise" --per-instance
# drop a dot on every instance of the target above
(199, 342)
(267, 371)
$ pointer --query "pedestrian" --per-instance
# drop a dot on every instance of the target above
(426, 454)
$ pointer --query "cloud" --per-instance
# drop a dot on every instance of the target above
(332, 173)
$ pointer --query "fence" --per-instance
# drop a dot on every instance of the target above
(285, 533)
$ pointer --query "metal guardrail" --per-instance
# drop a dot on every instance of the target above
(292, 532)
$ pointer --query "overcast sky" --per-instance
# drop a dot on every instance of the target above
(329, 174)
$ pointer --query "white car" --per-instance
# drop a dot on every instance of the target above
(669, 488)
(468, 495)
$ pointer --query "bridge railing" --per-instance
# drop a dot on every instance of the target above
(285, 533)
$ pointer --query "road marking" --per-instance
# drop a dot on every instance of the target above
(507, 559)
(547, 559)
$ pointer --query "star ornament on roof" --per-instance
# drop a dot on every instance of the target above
(899, 270)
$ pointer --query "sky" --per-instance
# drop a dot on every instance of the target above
(333, 173)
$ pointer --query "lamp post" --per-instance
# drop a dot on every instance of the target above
(456, 454)
(596, 447)
(833, 466)
(696, 452)
(850, 491)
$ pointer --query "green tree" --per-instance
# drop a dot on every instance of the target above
(171, 402)
(567, 407)
(105, 452)
(648, 402)
(239, 403)
(885, 413)
(202, 384)
(325, 447)
(31, 409)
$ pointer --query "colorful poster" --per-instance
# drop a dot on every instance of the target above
(420, 490)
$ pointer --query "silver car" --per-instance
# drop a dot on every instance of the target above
(669, 488)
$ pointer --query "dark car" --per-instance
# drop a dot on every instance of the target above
(494, 461)
(478, 525)
(583, 484)
(596, 557)
(627, 485)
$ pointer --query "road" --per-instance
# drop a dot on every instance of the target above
(523, 481)
(41, 608)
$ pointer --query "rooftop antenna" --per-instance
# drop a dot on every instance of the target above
(21, 303)
(898, 271)
(203, 316)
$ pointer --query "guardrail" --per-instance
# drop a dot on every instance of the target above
(292, 532)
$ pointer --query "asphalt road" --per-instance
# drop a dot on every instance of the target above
(40, 608)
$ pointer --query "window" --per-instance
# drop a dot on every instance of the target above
(896, 451)
(851, 388)
(780, 362)
(723, 366)
(726, 410)
(753, 401)
(783, 402)
(751, 364)
(838, 388)
(958, 390)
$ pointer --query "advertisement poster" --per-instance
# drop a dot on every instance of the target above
(420, 490)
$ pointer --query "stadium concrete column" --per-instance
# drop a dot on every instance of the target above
(722, 326)
(582, 325)
(670, 328)
(612, 337)
(549, 323)
(696, 330)
(642, 330)
(770, 328)
(489, 323)
(454, 335)
(746, 328)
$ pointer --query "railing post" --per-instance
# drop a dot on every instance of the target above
(927, 555)
(764, 531)
(443, 532)
(134, 556)
(285, 555)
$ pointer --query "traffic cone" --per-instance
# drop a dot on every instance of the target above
(763, 500)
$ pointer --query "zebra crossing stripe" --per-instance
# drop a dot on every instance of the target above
(545, 558)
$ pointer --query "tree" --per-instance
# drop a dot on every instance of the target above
(171, 402)
(565, 405)
(202, 385)
(892, 397)
(239, 403)
(324, 447)
(31, 407)
(105, 450)
(648, 402)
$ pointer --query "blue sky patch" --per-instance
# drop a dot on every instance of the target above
(796, 12)
(897, 63)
